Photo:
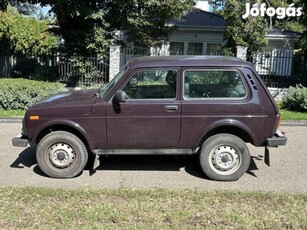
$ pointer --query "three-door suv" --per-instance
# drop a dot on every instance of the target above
(210, 106)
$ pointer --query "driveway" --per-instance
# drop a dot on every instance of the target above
(287, 172)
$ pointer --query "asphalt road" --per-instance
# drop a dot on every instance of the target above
(287, 173)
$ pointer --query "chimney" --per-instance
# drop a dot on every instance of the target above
(202, 5)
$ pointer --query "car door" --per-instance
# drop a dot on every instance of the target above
(151, 115)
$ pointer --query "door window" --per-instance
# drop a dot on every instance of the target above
(152, 84)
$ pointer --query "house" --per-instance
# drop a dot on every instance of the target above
(277, 57)
(199, 32)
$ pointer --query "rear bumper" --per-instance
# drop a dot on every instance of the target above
(20, 141)
(277, 140)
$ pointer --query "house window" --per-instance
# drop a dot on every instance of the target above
(195, 49)
(213, 49)
(176, 48)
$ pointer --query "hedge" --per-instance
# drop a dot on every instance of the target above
(21, 93)
(295, 99)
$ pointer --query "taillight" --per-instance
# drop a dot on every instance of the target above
(278, 121)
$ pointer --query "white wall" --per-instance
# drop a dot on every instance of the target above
(202, 5)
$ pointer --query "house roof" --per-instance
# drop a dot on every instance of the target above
(279, 33)
(199, 18)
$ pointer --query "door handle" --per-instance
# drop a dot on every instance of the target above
(171, 107)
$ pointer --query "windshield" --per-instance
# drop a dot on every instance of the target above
(108, 87)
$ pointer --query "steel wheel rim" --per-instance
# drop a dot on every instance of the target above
(225, 159)
(61, 155)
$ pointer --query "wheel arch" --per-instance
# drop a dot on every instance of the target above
(231, 127)
(67, 126)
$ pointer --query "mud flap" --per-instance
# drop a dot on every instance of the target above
(267, 156)
(96, 162)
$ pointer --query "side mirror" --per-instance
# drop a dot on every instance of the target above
(120, 96)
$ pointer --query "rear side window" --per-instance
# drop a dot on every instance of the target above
(213, 84)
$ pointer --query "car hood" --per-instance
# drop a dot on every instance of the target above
(72, 102)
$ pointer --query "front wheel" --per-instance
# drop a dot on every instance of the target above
(224, 157)
(61, 154)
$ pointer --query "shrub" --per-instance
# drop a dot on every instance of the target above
(295, 99)
(21, 93)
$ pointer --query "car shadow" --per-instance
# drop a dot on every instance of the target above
(188, 163)
(253, 166)
(27, 159)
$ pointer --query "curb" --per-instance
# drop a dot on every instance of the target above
(283, 123)
(10, 119)
(294, 123)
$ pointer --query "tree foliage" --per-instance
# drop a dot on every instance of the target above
(20, 34)
(88, 26)
(24, 7)
(250, 32)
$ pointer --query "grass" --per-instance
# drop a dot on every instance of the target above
(12, 113)
(291, 115)
(43, 208)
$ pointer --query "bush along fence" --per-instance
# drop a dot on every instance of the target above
(74, 71)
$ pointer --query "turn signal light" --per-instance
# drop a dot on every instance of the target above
(34, 118)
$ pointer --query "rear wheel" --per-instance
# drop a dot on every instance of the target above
(224, 157)
(61, 154)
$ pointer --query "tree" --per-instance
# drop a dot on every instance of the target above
(249, 32)
(24, 8)
(20, 34)
(89, 26)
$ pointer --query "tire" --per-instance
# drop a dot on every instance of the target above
(224, 157)
(61, 154)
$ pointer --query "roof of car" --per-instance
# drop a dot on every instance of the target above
(184, 61)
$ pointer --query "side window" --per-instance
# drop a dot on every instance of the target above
(213, 84)
(152, 84)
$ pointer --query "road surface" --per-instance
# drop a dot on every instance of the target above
(287, 173)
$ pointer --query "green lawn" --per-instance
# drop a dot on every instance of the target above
(290, 115)
(42, 208)
(12, 113)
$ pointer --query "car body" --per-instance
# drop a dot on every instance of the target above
(159, 105)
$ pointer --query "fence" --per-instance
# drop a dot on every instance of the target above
(279, 68)
(75, 71)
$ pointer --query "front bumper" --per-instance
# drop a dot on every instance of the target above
(20, 141)
(277, 140)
